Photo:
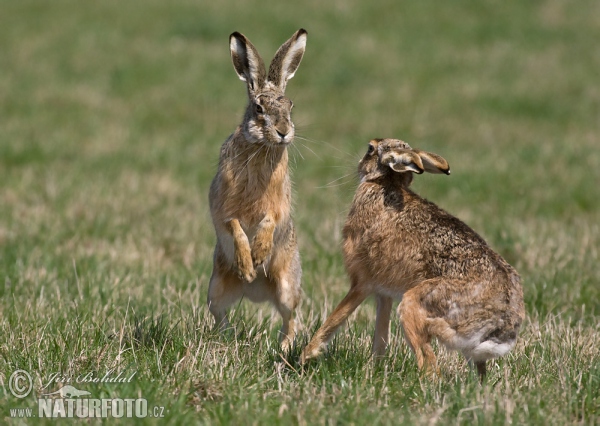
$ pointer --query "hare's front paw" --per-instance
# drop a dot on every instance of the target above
(311, 351)
(243, 266)
(261, 248)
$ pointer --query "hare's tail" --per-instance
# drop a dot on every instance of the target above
(479, 345)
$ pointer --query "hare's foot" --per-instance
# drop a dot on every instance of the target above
(242, 255)
(261, 249)
(262, 243)
(288, 328)
(312, 350)
(243, 265)
(287, 334)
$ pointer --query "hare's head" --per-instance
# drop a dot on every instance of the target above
(268, 116)
(395, 159)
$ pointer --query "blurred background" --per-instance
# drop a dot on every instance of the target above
(112, 115)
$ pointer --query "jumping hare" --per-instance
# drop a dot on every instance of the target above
(256, 255)
(397, 245)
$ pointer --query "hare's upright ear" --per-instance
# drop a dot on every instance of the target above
(287, 59)
(433, 163)
(404, 160)
(248, 64)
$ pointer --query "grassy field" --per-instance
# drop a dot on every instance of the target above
(111, 118)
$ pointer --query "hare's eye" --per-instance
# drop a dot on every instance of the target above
(371, 149)
(259, 109)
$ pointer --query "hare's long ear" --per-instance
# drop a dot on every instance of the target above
(433, 163)
(248, 64)
(404, 160)
(287, 59)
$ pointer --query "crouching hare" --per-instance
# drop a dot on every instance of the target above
(256, 255)
(397, 245)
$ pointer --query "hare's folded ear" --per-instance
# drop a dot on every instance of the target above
(287, 59)
(433, 163)
(403, 161)
(248, 64)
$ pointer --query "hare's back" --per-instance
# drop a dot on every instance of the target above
(449, 246)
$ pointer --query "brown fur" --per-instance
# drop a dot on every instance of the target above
(256, 255)
(397, 245)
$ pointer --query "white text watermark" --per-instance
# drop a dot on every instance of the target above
(69, 401)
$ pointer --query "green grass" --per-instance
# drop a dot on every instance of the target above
(111, 118)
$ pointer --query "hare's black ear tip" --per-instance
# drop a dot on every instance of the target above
(236, 34)
(302, 31)
(447, 171)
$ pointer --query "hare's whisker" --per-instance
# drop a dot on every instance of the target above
(329, 185)
(304, 138)
(298, 151)
(247, 163)
(315, 154)
(243, 150)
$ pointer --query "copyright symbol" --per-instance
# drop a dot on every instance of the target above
(20, 383)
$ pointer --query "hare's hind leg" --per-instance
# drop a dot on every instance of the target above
(481, 370)
(381, 337)
(224, 289)
(355, 297)
(286, 298)
(414, 324)
(447, 299)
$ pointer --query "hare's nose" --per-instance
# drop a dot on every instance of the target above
(284, 129)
